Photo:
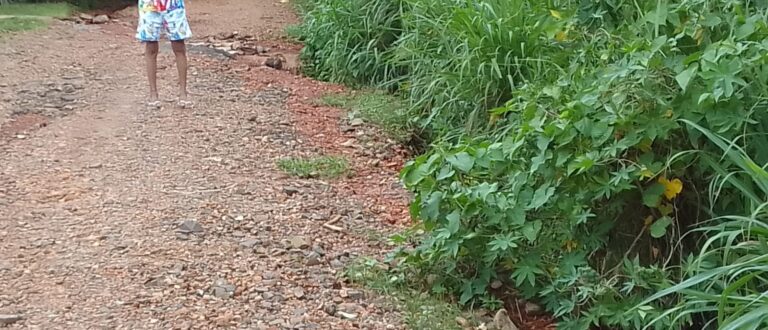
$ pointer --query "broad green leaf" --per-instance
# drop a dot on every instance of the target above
(431, 207)
(659, 228)
(531, 230)
(684, 78)
(462, 161)
(541, 196)
(454, 221)
(652, 195)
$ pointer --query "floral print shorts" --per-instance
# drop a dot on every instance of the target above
(171, 23)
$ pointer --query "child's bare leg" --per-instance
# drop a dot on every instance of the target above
(180, 51)
(150, 55)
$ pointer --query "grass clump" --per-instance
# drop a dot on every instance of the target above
(385, 111)
(18, 24)
(27, 17)
(421, 311)
(58, 10)
(327, 167)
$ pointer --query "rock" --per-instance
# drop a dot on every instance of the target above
(355, 294)
(100, 19)
(69, 89)
(347, 316)
(330, 309)
(225, 35)
(298, 293)
(261, 50)
(349, 143)
(298, 242)
(503, 322)
(356, 122)
(190, 227)
(85, 17)
(496, 284)
(223, 289)
(182, 236)
(336, 263)
(68, 98)
(8, 319)
(290, 191)
(313, 259)
(249, 243)
(532, 309)
(462, 321)
(276, 62)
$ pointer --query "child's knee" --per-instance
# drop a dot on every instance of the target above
(178, 47)
(152, 49)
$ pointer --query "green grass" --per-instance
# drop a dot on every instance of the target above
(16, 24)
(43, 9)
(420, 310)
(385, 111)
(327, 167)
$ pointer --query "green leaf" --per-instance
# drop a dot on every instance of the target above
(658, 16)
(531, 230)
(652, 195)
(684, 78)
(659, 227)
(445, 172)
(431, 208)
(541, 196)
(454, 221)
(462, 161)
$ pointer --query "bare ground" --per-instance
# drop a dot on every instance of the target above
(94, 188)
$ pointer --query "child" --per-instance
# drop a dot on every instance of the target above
(167, 17)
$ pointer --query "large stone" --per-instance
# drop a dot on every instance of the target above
(100, 19)
(503, 322)
(190, 227)
(8, 319)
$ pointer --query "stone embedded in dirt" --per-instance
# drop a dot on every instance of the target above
(462, 321)
(261, 50)
(226, 35)
(349, 143)
(336, 263)
(298, 242)
(313, 259)
(249, 243)
(355, 294)
(503, 322)
(347, 316)
(496, 284)
(190, 227)
(8, 319)
(100, 19)
(532, 309)
(298, 293)
(290, 191)
(223, 289)
(330, 309)
(68, 98)
(276, 62)
(356, 122)
(69, 89)
(182, 236)
(85, 17)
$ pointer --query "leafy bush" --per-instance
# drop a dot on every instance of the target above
(563, 165)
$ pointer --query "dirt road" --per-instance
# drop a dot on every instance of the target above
(113, 216)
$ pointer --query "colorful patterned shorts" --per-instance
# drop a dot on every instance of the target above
(172, 23)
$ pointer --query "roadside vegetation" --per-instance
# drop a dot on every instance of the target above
(25, 17)
(605, 158)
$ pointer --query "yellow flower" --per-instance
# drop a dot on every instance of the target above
(671, 187)
(555, 14)
(561, 36)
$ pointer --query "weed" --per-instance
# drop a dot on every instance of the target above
(328, 167)
(58, 10)
(387, 112)
(18, 24)
(421, 311)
